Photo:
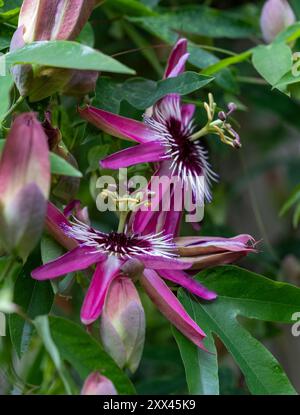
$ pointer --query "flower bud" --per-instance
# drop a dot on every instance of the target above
(97, 384)
(41, 20)
(276, 15)
(122, 325)
(24, 185)
(63, 187)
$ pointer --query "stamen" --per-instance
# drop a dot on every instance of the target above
(120, 244)
(189, 160)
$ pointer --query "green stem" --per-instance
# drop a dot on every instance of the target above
(7, 268)
(13, 107)
(251, 80)
(216, 49)
(122, 221)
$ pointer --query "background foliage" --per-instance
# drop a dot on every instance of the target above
(247, 326)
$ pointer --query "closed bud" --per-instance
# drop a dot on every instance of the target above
(276, 16)
(42, 20)
(24, 185)
(122, 325)
(97, 384)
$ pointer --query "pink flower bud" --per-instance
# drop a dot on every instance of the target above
(54, 20)
(122, 324)
(97, 384)
(41, 20)
(276, 15)
(24, 185)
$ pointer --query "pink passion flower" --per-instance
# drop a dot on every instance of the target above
(165, 136)
(112, 254)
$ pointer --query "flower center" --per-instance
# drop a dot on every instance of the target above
(121, 244)
(189, 158)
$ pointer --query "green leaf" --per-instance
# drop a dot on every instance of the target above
(61, 53)
(130, 7)
(198, 20)
(35, 298)
(201, 368)
(289, 34)
(109, 95)
(87, 35)
(50, 249)
(5, 37)
(296, 216)
(42, 326)
(96, 154)
(289, 78)
(61, 167)
(6, 84)
(8, 5)
(9, 11)
(292, 200)
(272, 61)
(133, 90)
(240, 293)
(86, 355)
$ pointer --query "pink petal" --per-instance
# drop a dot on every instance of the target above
(188, 282)
(17, 41)
(56, 216)
(171, 308)
(187, 113)
(78, 259)
(172, 219)
(143, 153)
(212, 260)
(196, 245)
(158, 262)
(94, 300)
(143, 217)
(55, 220)
(117, 125)
(177, 59)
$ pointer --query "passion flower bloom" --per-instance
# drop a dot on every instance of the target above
(164, 136)
(167, 137)
(24, 185)
(41, 20)
(113, 254)
(97, 384)
(276, 15)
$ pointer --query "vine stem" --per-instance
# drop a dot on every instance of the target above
(13, 107)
